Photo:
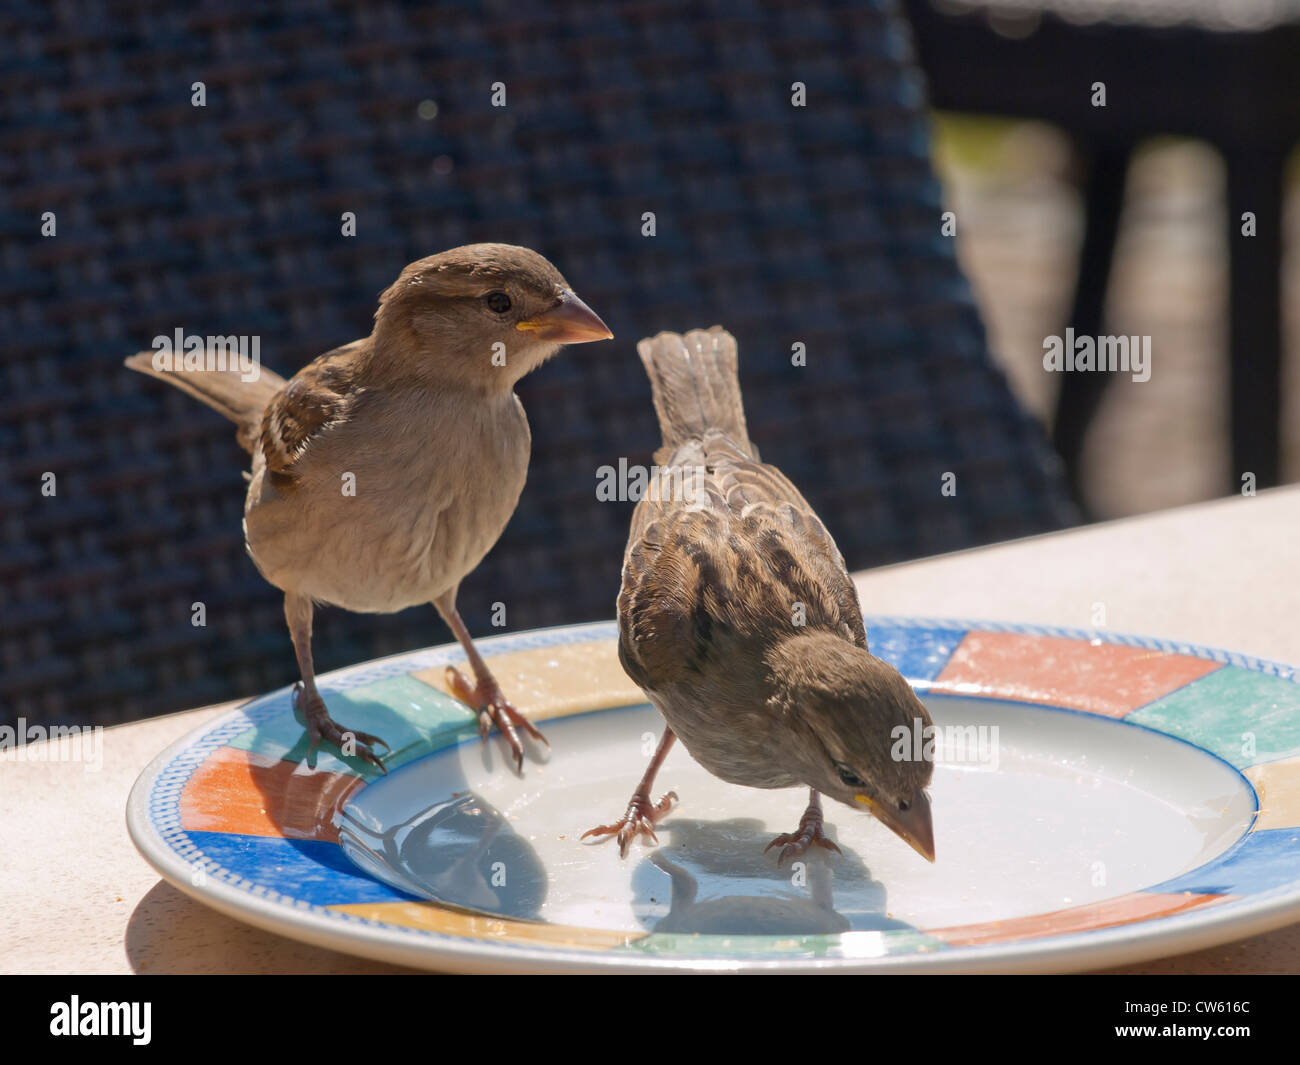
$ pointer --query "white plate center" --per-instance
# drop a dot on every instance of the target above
(1047, 810)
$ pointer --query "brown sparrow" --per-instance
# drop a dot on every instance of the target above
(739, 621)
(384, 471)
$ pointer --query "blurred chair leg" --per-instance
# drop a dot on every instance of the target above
(1255, 184)
(1080, 393)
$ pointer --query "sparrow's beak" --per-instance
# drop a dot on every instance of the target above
(569, 322)
(913, 824)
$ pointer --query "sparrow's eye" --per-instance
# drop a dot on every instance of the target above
(498, 302)
(849, 777)
(904, 805)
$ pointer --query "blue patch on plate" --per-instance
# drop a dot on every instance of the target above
(1262, 861)
(918, 654)
(308, 870)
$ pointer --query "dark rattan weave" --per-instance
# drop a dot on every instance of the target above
(817, 224)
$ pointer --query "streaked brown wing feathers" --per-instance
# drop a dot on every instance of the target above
(316, 396)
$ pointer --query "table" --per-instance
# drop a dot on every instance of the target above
(76, 897)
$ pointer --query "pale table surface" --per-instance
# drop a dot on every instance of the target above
(75, 897)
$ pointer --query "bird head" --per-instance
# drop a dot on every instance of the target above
(852, 720)
(484, 314)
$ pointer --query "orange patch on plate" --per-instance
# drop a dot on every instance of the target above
(1123, 909)
(1104, 678)
(257, 795)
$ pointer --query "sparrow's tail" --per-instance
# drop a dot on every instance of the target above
(224, 391)
(695, 386)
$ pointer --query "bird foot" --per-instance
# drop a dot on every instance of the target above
(640, 820)
(320, 726)
(795, 844)
(494, 709)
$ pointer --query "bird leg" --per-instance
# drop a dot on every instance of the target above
(297, 612)
(642, 814)
(485, 695)
(810, 832)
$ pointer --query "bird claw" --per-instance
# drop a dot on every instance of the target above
(320, 726)
(494, 709)
(795, 844)
(639, 820)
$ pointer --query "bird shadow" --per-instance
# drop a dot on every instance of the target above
(723, 883)
(456, 850)
(461, 851)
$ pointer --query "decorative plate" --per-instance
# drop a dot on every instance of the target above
(1098, 799)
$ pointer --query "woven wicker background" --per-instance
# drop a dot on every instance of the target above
(817, 225)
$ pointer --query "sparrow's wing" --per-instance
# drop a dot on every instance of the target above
(752, 488)
(316, 397)
(730, 547)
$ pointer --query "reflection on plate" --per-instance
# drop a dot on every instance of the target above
(1097, 799)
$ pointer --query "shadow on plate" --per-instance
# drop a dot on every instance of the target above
(457, 851)
(722, 883)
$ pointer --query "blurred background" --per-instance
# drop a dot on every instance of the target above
(1158, 444)
(798, 159)
(1120, 214)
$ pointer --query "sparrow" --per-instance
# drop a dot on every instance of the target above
(738, 620)
(386, 469)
